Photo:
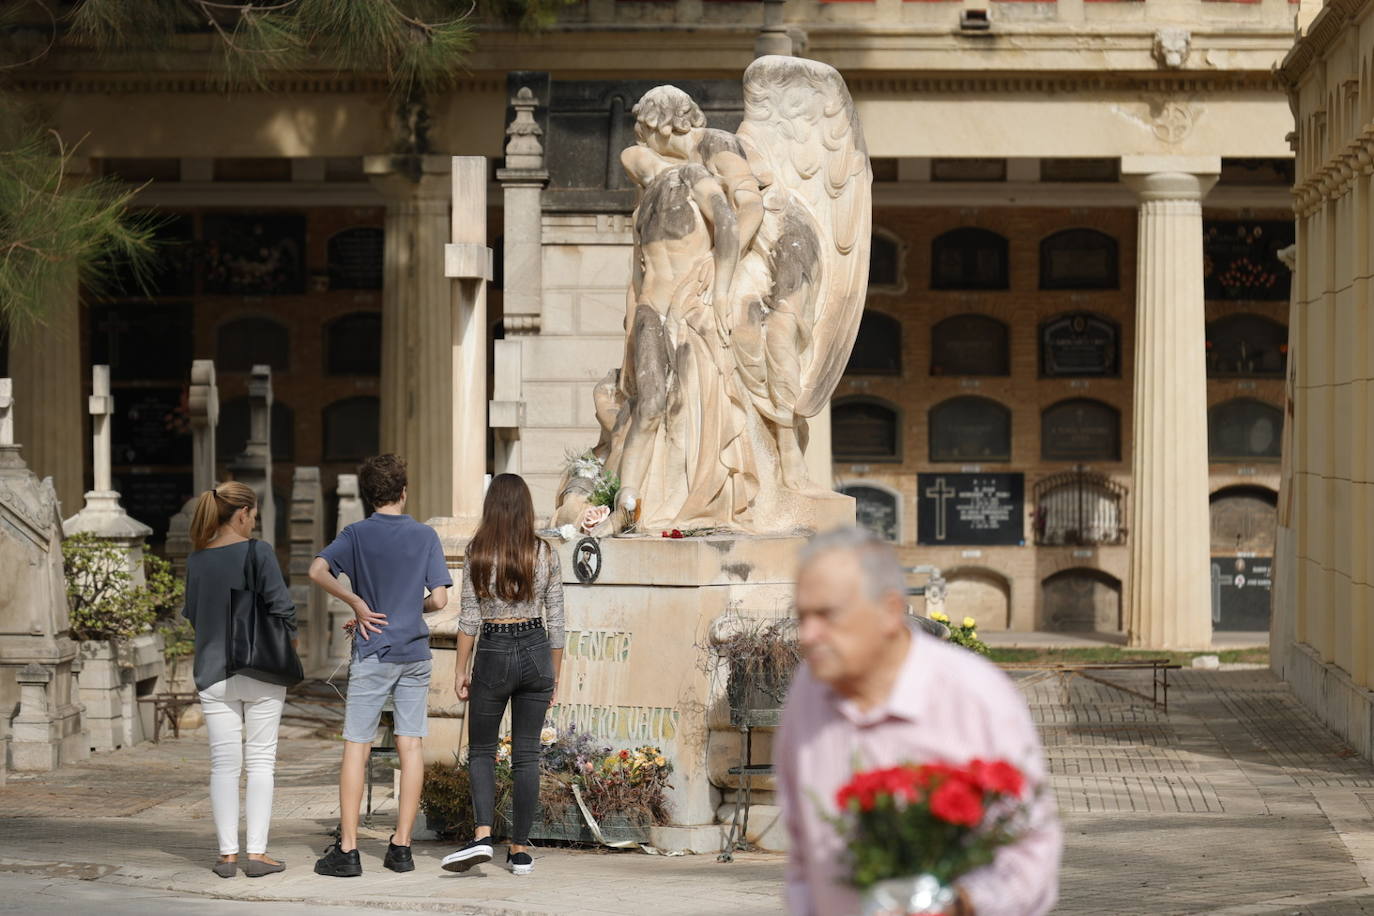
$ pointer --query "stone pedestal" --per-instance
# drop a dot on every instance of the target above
(636, 669)
(114, 674)
(337, 646)
(37, 658)
(307, 538)
(1169, 600)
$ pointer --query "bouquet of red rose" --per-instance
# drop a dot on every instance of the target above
(913, 830)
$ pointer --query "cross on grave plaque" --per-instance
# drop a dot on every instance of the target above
(970, 509)
(941, 492)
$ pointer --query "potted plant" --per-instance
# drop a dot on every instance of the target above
(624, 791)
(760, 656)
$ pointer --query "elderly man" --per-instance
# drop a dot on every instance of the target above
(876, 692)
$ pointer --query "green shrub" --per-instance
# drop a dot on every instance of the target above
(104, 602)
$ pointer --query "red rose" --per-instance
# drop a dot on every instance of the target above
(624, 755)
(997, 776)
(957, 802)
(675, 534)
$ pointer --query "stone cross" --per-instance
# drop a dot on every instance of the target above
(6, 412)
(204, 409)
(254, 465)
(468, 261)
(102, 409)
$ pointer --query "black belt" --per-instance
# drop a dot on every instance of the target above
(534, 623)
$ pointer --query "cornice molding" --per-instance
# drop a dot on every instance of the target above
(193, 83)
(1326, 29)
(1060, 84)
(1337, 176)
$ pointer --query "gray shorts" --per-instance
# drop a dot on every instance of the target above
(370, 682)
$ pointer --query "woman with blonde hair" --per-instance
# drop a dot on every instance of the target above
(513, 595)
(242, 713)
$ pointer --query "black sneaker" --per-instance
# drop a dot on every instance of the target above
(339, 864)
(520, 863)
(398, 857)
(474, 853)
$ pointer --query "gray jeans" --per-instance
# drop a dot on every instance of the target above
(515, 668)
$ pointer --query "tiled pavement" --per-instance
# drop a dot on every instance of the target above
(1234, 802)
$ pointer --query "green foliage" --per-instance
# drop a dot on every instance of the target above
(104, 601)
(962, 634)
(606, 489)
(56, 230)
(416, 45)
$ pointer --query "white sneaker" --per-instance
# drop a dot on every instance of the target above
(474, 853)
(520, 863)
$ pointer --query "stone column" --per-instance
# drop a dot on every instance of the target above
(307, 538)
(522, 186)
(103, 515)
(253, 465)
(820, 460)
(416, 302)
(45, 363)
(350, 511)
(1169, 598)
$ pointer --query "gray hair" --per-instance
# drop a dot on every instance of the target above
(882, 571)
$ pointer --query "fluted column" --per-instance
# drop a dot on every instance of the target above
(416, 403)
(1169, 595)
(50, 417)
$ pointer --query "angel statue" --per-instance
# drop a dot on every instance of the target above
(748, 281)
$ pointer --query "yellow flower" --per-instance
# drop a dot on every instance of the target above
(939, 616)
(970, 622)
(973, 635)
(659, 761)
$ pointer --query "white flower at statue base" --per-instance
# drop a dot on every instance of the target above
(548, 736)
(922, 894)
(567, 532)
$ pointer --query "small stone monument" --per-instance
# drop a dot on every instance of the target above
(203, 404)
(307, 537)
(350, 511)
(103, 515)
(253, 466)
(38, 658)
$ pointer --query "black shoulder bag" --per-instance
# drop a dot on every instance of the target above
(259, 642)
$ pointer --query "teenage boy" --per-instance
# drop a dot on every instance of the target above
(390, 560)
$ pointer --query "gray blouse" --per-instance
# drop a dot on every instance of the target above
(210, 575)
(547, 602)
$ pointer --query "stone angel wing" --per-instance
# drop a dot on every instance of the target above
(805, 144)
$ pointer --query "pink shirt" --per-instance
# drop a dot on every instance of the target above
(948, 705)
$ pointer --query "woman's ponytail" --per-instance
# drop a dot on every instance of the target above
(217, 506)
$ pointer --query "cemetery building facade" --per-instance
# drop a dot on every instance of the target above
(1067, 389)
(1321, 640)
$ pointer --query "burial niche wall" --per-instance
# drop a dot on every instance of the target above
(981, 594)
(970, 429)
(878, 346)
(352, 429)
(1243, 520)
(251, 341)
(876, 508)
(353, 345)
(1080, 429)
(1244, 429)
(1081, 600)
(232, 435)
(865, 429)
(970, 345)
(1079, 259)
(969, 258)
(1246, 346)
(885, 256)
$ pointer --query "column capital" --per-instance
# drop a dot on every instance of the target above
(1170, 177)
(402, 176)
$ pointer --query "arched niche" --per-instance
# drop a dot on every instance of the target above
(356, 258)
(865, 429)
(1079, 259)
(1080, 429)
(1243, 520)
(1081, 600)
(971, 345)
(352, 428)
(232, 433)
(979, 593)
(877, 347)
(970, 429)
(353, 345)
(242, 343)
(969, 258)
(886, 254)
(1245, 345)
(1244, 429)
(877, 508)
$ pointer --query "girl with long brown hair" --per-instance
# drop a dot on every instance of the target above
(513, 594)
(242, 713)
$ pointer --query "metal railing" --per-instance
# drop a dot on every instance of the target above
(1079, 508)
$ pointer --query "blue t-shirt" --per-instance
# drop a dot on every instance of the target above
(390, 560)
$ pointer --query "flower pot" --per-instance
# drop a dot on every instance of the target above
(567, 825)
(913, 896)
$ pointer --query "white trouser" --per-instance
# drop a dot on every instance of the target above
(242, 715)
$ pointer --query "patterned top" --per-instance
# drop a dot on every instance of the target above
(547, 601)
